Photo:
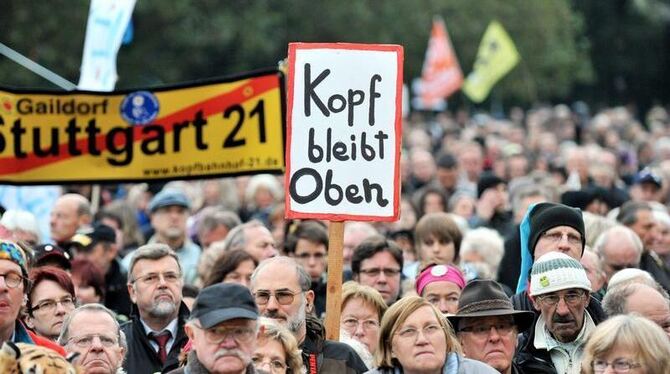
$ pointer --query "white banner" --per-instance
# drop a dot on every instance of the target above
(344, 121)
(107, 22)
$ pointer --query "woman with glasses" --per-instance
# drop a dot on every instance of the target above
(627, 344)
(277, 350)
(416, 338)
(362, 310)
(50, 300)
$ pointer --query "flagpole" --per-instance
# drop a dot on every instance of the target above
(36, 68)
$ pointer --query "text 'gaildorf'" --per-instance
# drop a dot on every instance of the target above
(362, 144)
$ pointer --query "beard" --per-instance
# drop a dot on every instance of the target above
(295, 323)
(162, 309)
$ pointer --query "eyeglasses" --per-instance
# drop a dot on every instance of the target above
(153, 278)
(619, 365)
(275, 366)
(85, 341)
(307, 256)
(375, 272)
(12, 280)
(217, 334)
(284, 297)
(556, 237)
(411, 333)
(482, 331)
(571, 298)
(49, 306)
(352, 324)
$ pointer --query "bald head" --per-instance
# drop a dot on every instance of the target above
(69, 213)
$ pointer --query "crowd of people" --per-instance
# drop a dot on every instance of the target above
(539, 243)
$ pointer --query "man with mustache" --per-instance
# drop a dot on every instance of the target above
(281, 288)
(222, 329)
(156, 330)
(559, 290)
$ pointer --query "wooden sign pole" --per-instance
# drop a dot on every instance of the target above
(334, 290)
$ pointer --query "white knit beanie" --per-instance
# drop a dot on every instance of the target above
(556, 271)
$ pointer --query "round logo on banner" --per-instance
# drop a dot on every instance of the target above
(139, 108)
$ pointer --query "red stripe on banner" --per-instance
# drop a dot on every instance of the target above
(255, 87)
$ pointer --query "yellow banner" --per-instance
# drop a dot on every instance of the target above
(230, 127)
(496, 56)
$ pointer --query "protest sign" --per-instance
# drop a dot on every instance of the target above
(232, 126)
(343, 143)
(344, 130)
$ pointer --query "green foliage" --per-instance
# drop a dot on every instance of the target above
(177, 41)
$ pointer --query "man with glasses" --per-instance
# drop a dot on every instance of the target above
(281, 289)
(308, 244)
(377, 262)
(223, 328)
(50, 300)
(560, 290)
(92, 332)
(156, 330)
(487, 325)
(619, 248)
(14, 284)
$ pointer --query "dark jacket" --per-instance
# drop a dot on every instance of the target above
(320, 290)
(194, 366)
(510, 264)
(116, 290)
(326, 356)
(655, 266)
(141, 357)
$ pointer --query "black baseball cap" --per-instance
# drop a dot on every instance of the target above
(89, 237)
(222, 302)
(47, 254)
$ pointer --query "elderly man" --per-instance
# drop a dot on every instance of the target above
(156, 331)
(281, 289)
(638, 217)
(70, 213)
(254, 238)
(559, 289)
(550, 227)
(619, 248)
(13, 290)
(640, 299)
(222, 329)
(92, 332)
(487, 325)
(377, 263)
(169, 211)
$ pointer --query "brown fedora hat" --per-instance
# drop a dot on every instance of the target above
(486, 298)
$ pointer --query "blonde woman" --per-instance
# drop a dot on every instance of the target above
(362, 311)
(627, 344)
(276, 350)
(416, 338)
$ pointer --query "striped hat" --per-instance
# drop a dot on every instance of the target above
(556, 271)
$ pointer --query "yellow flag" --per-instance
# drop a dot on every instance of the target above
(497, 55)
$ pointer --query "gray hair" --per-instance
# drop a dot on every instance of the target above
(485, 242)
(525, 191)
(618, 231)
(213, 217)
(94, 308)
(628, 212)
(151, 251)
(304, 279)
(15, 219)
(236, 238)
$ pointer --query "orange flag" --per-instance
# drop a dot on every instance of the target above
(441, 75)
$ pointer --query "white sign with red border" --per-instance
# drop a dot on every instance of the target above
(344, 131)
